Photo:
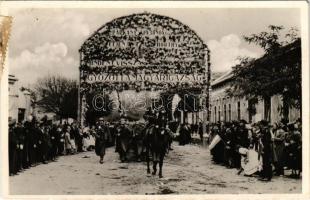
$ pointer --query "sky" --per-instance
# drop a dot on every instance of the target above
(46, 41)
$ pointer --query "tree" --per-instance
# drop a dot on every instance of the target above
(98, 105)
(33, 96)
(58, 95)
(277, 72)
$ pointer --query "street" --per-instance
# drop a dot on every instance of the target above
(187, 170)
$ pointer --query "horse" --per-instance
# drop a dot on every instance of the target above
(156, 141)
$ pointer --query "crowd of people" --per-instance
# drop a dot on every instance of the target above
(258, 149)
(34, 142)
(233, 144)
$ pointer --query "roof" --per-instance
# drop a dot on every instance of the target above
(228, 75)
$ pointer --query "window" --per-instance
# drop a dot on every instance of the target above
(267, 108)
(21, 114)
(285, 108)
(251, 109)
(214, 113)
(225, 119)
(229, 112)
(238, 110)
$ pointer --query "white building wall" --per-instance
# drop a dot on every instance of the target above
(13, 98)
(219, 99)
(276, 106)
(18, 99)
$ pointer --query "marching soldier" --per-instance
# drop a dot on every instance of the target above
(123, 136)
(102, 137)
(112, 133)
(137, 142)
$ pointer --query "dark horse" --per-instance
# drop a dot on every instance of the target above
(156, 141)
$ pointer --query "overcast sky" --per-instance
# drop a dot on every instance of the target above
(46, 41)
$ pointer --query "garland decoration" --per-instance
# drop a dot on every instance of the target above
(143, 43)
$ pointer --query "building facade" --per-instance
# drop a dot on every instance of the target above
(19, 101)
(224, 108)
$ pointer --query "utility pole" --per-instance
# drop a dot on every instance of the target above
(79, 92)
(206, 90)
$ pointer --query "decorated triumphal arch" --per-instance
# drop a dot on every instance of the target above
(144, 52)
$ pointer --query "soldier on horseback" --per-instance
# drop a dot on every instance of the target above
(157, 141)
(150, 117)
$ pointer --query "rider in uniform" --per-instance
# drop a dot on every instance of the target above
(150, 117)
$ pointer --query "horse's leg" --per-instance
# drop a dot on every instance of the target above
(168, 147)
(147, 160)
(161, 161)
(154, 167)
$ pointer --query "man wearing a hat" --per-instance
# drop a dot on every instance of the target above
(102, 137)
(123, 137)
(242, 140)
(20, 134)
(30, 132)
(12, 148)
(266, 150)
(279, 140)
(43, 142)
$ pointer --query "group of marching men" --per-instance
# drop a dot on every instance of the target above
(130, 136)
(258, 149)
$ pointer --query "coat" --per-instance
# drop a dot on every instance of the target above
(102, 137)
(185, 135)
(279, 146)
(123, 138)
(67, 141)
